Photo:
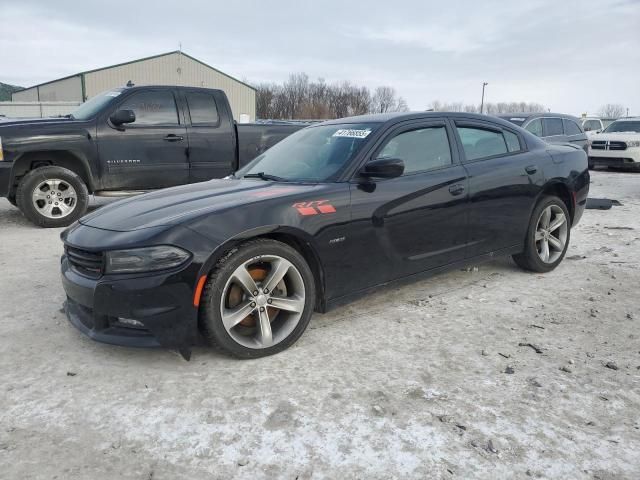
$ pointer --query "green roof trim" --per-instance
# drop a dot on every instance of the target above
(82, 74)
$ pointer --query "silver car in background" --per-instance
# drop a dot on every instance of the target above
(551, 127)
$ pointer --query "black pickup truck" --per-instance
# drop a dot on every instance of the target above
(124, 141)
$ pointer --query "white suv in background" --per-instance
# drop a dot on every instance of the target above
(618, 145)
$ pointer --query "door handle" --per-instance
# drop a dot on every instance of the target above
(456, 189)
(173, 138)
(531, 169)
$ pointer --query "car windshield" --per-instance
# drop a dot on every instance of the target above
(91, 107)
(624, 126)
(313, 154)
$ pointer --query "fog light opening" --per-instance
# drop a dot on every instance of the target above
(130, 322)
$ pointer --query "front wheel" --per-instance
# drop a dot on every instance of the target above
(52, 196)
(547, 237)
(259, 299)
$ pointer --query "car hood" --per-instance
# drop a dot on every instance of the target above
(177, 205)
(616, 136)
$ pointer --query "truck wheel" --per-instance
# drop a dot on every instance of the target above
(547, 237)
(52, 196)
(259, 299)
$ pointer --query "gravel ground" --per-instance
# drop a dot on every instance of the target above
(486, 373)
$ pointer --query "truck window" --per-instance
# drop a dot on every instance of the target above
(152, 108)
(202, 108)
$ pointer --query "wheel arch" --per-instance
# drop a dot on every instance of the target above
(561, 190)
(56, 158)
(297, 239)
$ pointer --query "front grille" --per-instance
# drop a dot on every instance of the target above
(608, 145)
(87, 263)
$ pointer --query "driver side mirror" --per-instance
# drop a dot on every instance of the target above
(120, 117)
(383, 168)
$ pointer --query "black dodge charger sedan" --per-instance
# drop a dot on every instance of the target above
(331, 212)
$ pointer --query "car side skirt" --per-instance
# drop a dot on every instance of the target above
(330, 304)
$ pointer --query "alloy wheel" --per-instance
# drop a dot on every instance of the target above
(262, 301)
(54, 198)
(551, 234)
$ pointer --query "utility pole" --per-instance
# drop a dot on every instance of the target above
(484, 84)
(627, 112)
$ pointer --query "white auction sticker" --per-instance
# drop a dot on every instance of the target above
(350, 133)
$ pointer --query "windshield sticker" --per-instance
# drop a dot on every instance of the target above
(350, 133)
(112, 94)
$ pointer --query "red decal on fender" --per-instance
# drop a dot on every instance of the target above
(307, 211)
(314, 208)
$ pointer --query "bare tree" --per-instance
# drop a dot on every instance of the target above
(385, 100)
(489, 108)
(611, 110)
(299, 98)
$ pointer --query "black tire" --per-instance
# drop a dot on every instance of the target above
(529, 259)
(210, 317)
(12, 200)
(30, 182)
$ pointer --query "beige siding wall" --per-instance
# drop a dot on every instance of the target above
(67, 90)
(17, 109)
(28, 95)
(174, 69)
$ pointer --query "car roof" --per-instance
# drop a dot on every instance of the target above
(627, 119)
(531, 115)
(395, 117)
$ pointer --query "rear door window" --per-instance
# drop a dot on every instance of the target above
(571, 127)
(480, 143)
(535, 127)
(202, 108)
(152, 108)
(552, 127)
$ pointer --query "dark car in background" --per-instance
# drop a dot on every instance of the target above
(331, 212)
(551, 127)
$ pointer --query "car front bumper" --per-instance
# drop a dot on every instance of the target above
(615, 158)
(145, 311)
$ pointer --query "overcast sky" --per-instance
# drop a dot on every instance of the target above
(571, 56)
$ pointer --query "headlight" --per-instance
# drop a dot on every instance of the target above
(147, 259)
(633, 143)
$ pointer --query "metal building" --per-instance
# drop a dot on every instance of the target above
(172, 68)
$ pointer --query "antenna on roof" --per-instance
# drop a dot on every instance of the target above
(130, 84)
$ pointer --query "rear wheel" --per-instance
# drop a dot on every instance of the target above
(52, 196)
(547, 237)
(259, 300)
